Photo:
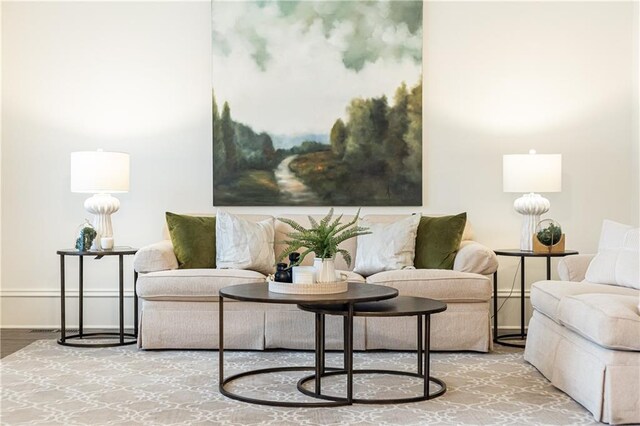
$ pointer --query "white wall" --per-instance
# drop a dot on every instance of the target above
(499, 78)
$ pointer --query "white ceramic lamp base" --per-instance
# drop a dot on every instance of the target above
(102, 206)
(530, 206)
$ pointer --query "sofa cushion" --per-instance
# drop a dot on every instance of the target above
(244, 244)
(388, 246)
(438, 241)
(192, 284)
(201, 285)
(609, 320)
(193, 239)
(352, 277)
(546, 295)
(617, 260)
(440, 284)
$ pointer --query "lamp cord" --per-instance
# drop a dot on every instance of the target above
(513, 284)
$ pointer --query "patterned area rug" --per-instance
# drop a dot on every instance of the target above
(48, 384)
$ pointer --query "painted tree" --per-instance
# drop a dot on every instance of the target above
(395, 146)
(218, 144)
(380, 122)
(413, 136)
(360, 135)
(338, 138)
(227, 130)
(367, 129)
(268, 153)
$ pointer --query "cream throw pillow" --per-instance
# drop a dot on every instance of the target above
(242, 244)
(390, 246)
(616, 262)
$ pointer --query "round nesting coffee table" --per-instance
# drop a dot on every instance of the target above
(401, 306)
(260, 293)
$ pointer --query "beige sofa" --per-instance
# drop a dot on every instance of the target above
(585, 338)
(179, 307)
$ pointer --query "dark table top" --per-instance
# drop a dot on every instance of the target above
(400, 306)
(260, 293)
(518, 253)
(116, 251)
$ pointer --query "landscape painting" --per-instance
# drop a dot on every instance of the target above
(317, 103)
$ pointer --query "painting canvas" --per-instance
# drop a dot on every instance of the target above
(317, 103)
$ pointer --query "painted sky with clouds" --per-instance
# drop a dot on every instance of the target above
(292, 67)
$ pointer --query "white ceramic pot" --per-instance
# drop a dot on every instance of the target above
(325, 270)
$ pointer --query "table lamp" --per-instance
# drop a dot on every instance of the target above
(531, 173)
(100, 173)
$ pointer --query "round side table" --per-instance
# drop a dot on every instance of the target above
(522, 255)
(401, 306)
(123, 338)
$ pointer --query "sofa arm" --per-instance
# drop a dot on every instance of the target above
(574, 268)
(476, 258)
(155, 257)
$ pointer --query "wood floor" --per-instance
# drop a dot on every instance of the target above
(14, 339)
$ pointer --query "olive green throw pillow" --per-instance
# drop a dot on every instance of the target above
(193, 239)
(438, 241)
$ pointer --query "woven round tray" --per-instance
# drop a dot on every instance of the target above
(316, 288)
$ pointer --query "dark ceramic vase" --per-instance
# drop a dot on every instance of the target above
(294, 258)
(283, 273)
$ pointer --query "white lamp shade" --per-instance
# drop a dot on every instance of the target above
(532, 173)
(99, 171)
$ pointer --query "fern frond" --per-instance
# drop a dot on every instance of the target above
(303, 255)
(346, 256)
(293, 246)
(353, 222)
(325, 220)
(313, 222)
(292, 223)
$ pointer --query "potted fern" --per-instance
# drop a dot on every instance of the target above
(323, 239)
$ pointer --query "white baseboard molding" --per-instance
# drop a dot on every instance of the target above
(40, 327)
(39, 308)
(502, 294)
(68, 293)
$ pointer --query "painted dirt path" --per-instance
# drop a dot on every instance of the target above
(292, 188)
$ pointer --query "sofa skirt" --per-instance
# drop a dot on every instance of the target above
(462, 327)
(606, 382)
(256, 326)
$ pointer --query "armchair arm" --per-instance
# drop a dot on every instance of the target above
(574, 268)
(476, 258)
(155, 257)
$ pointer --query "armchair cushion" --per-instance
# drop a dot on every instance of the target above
(155, 257)
(546, 295)
(194, 240)
(611, 322)
(438, 241)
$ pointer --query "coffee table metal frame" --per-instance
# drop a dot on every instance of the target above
(401, 306)
(260, 293)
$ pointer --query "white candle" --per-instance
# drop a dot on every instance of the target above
(106, 243)
(303, 274)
